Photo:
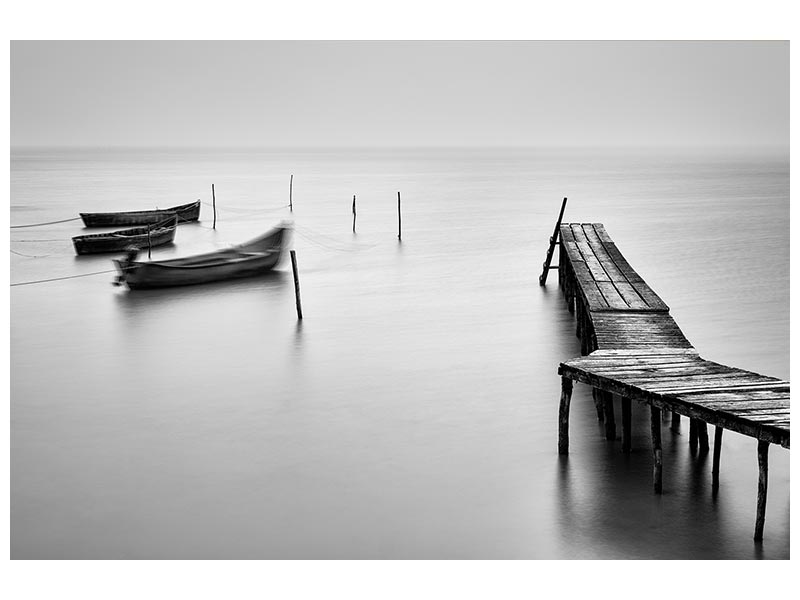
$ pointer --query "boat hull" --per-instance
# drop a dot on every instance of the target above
(119, 241)
(256, 257)
(186, 213)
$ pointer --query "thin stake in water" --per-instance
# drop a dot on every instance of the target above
(296, 285)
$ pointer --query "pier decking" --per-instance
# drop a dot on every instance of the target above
(632, 347)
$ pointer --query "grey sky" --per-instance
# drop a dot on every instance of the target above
(399, 93)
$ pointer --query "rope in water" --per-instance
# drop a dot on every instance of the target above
(29, 255)
(62, 278)
(46, 223)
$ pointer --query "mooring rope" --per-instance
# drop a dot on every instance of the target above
(47, 223)
(29, 255)
(61, 278)
(309, 235)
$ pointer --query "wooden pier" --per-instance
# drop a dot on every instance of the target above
(632, 347)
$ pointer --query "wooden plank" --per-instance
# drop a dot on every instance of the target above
(627, 291)
(595, 267)
(612, 295)
(602, 255)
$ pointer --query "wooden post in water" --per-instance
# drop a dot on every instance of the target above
(214, 206)
(693, 436)
(676, 422)
(702, 436)
(296, 285)
(149, 242)
(291, 180)
(761, 505)
(563, 415)
(598, 403)
(626, 424)
(608, 411)
(354, 213)
(655, 429)
(715, 463)
(399, 220)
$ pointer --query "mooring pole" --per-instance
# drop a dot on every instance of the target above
(296, 285)
(291, 180)
(149, 243)
(399, 220)
(214, 206)
(354, 213)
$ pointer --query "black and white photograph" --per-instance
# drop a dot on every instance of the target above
(399, 300)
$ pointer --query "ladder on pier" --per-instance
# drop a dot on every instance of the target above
(553, 241)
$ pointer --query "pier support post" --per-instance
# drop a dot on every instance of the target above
(655, 428)
(569, 286)
(761, 508)
(693, 436)
(715, 463)
(626, 424)
(702, 436)
(608, 412)
(676, 422)
(563, 415)
(598, 404)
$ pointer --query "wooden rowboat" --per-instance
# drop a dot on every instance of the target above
(118, 241)
(256, 257)
(185, 212)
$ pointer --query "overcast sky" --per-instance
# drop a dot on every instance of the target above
(399, 93)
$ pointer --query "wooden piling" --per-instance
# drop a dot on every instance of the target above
(214, 206)
(291, 181)
(626, 424)
(717, 452)
(149, 241)
(702, 436)
(676, 422)
(354, 213)
(296, 285)
(693, 436)
(608, 412)
(761, 506)
(598, 404)
(563, 415)
(399, 219)
(655, 429)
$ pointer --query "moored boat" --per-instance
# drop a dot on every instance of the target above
(186, 212)
(154, 235)
(256, 257)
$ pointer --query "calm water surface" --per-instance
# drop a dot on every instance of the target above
(413, 412)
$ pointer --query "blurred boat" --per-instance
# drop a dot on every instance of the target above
(256, 257)
(123, 239)
(185, 212)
